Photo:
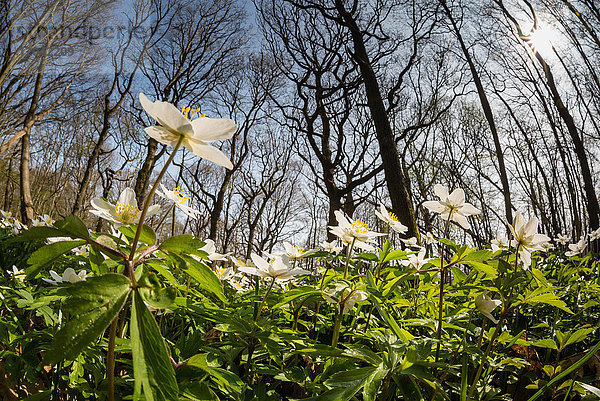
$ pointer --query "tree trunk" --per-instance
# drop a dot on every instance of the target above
(89, 168)
(487, 111)
(27, 213)
(392, 166)
(143, 177)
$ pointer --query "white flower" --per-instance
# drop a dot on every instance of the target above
(547, 246)
(576, 249)
(278, 269)
(211, 249)
(17, 274)
(429, 238)
(594, 235)
(7, 215)
(417, 261)
(526, 237)
(44, 220)
(196, 133)
(486, 305)
(391, 219)
(332, 247)
(296, 252)
(411, 242)
(563, 239)
(124, 212)
(344, 297)
(179, 198)
(69, 276)
(238, 282)
(356, 232)
(452, 206)
(499, 243)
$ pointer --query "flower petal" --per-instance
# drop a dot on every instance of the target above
(434, 206)
(162, 135)
(166, 115)
(213, 129)
(127, 197)
(461, 220)
(441, 191)
(469, 209)
(208, 152)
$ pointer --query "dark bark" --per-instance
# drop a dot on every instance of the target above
(395, 179)
(487, 111)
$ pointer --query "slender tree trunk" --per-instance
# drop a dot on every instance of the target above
(89, 168)
(143, 176)
(593, 207)
(588, 184)
(394, 174)
(27, 213)
(215, 214)
(487, 111)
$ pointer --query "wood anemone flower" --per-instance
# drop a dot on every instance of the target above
(196, 133)
(452, 205)
(390, 219)
(278, 269)
(526, 237)
(124, 212)
(486, 305)
(353, 232)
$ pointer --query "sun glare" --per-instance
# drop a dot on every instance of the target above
(543, 38)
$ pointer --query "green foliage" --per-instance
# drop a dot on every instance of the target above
(184, 333)
(91, 306)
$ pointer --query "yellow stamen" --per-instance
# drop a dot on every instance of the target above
(360, 226)
(393, 216)
(126, 213)
(183, 197)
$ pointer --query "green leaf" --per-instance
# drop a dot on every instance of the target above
(546, 343)
(74, 226)
(154, 294)
(147, 236)
(152, 367)
(398, 331)
(565, 372)
(183, 244)
(38, 233)
(579, 335)
(544, 296)
(394, 255)
(93, 304)
(482, 267)
(162, 269)
(371, 388)
(205, 277)
(47, 254)
(227, 381)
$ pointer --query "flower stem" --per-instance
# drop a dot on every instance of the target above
(348, 253)
(441, 301)
(262, 304)
(336, 329)
(110, 359)
(149, 198)
(497, 330)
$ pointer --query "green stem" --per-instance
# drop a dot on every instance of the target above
(162, 220)
(438, 333)
(149, 198)
(348, 253)
(336, 329)
(110, 360)
(497, 331)
(262, 304)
